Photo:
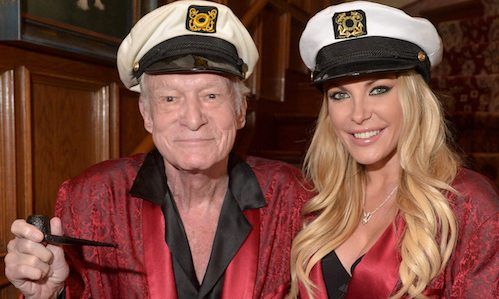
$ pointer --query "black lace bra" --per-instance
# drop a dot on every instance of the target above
(336, 276)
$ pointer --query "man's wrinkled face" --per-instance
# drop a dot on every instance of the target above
(193, 118)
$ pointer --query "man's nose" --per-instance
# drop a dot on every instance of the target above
(361, 110)
(192, 114)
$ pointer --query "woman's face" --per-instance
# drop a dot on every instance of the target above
(367, 117)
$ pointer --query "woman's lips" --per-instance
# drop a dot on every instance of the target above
(366, 137)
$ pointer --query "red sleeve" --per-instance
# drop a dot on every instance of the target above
(285, 192)
(472, 271)
(96, 206)
(477, 270)
(75, 282)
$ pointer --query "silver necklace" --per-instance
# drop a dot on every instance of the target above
(366, 216)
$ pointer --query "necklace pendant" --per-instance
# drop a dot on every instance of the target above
(366, 216)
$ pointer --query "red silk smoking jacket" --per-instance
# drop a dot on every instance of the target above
(97, 205)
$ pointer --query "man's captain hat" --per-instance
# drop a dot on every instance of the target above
(360, 37)
(185, 37)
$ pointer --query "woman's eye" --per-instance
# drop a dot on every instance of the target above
(212, 96)
(379, 90)
(339, 95)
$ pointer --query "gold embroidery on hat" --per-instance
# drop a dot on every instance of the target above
(244, 70)
(202, 21)
(350, 25)
(200, 62)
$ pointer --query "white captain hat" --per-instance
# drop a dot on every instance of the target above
(361, 37)
(184, 37)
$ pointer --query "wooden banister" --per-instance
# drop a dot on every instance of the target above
(256, 7)
(145, 146)
(296, 12)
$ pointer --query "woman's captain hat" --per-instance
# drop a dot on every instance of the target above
(183, 37)
(360, 37)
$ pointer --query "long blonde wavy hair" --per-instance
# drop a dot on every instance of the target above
(427, 164)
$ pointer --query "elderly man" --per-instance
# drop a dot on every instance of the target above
(190, 220)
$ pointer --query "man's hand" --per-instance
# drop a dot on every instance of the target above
(38, 271)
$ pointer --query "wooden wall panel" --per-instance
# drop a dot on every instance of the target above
(70, 132)
(274, 46)
(132, 130)
(7, 168)
(23, 142)
(114, 119)
(58, 116)
(295, 62)
(239, 7)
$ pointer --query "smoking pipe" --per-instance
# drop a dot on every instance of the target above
(42, 222)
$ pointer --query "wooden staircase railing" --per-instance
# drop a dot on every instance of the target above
(253, 11)
(146, 145)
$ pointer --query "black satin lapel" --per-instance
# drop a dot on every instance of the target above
(176, 238)
(232, 230)
(244, 185)
(150, 182)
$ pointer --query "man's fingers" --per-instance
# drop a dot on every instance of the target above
(27, 272)
(37, 250)
(22, 266)
(56, 226)
(21, 229)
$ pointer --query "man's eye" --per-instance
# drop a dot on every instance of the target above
(167, 99)
(379, 90)
(339, 95)
(212, 96)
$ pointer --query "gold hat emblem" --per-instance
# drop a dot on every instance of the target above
(202, 19)
(349, 24)
(200, 62)
(421, 56)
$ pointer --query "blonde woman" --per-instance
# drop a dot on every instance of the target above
(395, 214)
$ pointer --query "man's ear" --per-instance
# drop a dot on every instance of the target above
(145, 110)
(241, 117)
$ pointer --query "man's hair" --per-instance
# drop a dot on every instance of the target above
(428, 165)
(238, 89)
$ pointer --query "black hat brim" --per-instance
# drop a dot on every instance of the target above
(361, 68)
(193, 64)
(192, 54)
(369, 55)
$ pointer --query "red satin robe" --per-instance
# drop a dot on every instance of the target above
(472, 271)
(96, 205)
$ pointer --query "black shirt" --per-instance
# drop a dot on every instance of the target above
(243, 193)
